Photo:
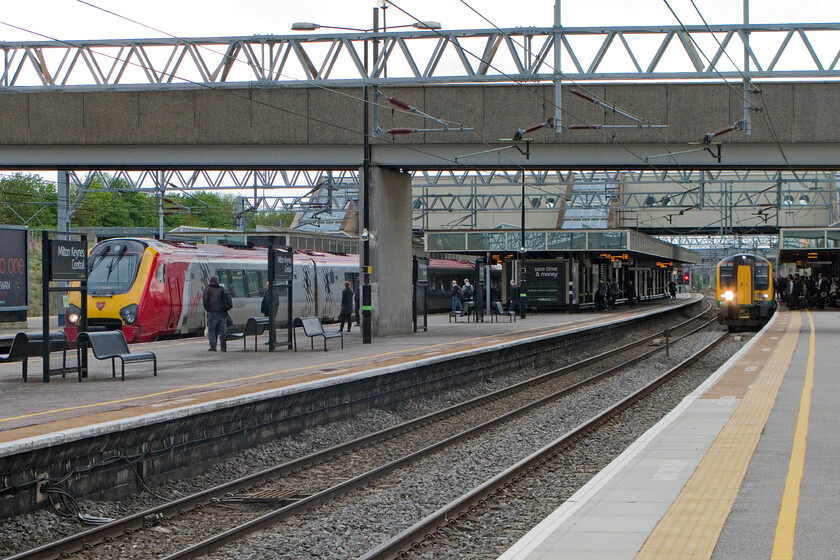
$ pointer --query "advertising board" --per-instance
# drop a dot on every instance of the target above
(14, 269)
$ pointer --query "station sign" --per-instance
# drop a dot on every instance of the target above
(68, 260)
(14, 269)
(284, 266)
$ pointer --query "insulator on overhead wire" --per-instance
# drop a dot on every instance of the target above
(396, 131)
(400, 104)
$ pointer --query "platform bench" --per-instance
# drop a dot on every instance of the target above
(111, 344)
(498, 310)
(312, 327)
(28, 345)
(254, 326)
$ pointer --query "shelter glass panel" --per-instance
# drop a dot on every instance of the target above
(804, 239)
(564, 241)
(486, 242)
(832, 238)
(534, 241)
(607, 240)
(447, 241)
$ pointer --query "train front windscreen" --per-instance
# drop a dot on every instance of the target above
(113, 267)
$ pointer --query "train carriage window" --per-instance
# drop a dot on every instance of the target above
(237, 286)
(762, 276)
(255, 285)
(727, 275)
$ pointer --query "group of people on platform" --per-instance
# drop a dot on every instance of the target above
(608, 291)
(807, 292)
(462, 297)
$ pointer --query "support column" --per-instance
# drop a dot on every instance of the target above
(390, 251)
(63, 191)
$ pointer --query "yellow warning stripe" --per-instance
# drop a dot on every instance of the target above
(786, 525)
(691, 527)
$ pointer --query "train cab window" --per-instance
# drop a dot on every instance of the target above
(727, 274)
(762, 276)
(159, 273)
(113, 266)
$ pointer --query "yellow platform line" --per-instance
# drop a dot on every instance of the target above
(786, 525)
(691, 527)
(455, 345)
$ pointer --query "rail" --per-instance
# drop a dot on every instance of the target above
(136, 521)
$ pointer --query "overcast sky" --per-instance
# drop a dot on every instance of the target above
(73, 19)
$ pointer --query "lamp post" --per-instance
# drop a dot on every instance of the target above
(366, 303)
(522, 249)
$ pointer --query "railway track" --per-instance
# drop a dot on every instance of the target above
(241, 501)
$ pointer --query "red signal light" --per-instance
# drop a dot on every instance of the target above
(685, 278)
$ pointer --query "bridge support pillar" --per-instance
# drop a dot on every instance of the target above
(390, 251)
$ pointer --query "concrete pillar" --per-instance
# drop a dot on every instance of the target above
(390, 251)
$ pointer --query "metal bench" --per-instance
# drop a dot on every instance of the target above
(111, 344)
(254, 326)
(28, 345)
(498, 310)
(312, 327)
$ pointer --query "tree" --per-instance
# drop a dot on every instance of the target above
(28, 200)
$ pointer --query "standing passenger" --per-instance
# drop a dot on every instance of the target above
(346, 312)
(456, 297)
(357, 300)
(216, 314)
(466, 297)
(631, 293)
(513, 298)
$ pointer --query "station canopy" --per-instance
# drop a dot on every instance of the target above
(548, 242)
(809, 246)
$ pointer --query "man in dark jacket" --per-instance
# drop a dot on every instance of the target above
(216, 314)
(268, 307)
(346, 311)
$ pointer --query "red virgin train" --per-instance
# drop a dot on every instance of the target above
(152, 289)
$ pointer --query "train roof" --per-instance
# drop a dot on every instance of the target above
(744, 257)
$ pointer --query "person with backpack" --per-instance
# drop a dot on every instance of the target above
(466, 297)
(456, 298)
(217, 302)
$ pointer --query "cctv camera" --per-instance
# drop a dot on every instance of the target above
(365, 234)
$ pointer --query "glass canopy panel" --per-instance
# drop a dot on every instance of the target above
(447, 241)
(566, 241)
(486, 242)
(804, 239)
(600, 241)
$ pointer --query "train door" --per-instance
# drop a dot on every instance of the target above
(743, 295)
(175, 297)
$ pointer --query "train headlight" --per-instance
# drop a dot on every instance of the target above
(129, 314)
(74, 314)
(728, 295)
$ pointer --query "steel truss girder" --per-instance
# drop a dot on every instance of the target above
(425, 57)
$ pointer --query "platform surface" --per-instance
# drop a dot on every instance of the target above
(190, 375)
(744, 468)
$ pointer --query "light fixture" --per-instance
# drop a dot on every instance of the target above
(650, 201)
(804, 200)
(549, 203)
(666, 201)
(535, 202)
(788, 200)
